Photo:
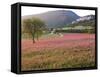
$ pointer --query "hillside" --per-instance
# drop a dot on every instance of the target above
(55, 19)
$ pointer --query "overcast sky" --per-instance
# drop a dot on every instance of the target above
(37, 10)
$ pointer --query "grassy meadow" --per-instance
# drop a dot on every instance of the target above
(54, 51)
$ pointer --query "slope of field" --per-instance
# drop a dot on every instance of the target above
(67, 51)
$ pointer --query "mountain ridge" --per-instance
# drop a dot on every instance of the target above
(55, 19)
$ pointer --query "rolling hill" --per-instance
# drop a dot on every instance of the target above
(55, 19)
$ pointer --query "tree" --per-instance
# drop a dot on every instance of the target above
(34, 27)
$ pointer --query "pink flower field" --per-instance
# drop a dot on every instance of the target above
(69, 51)
(67, 41)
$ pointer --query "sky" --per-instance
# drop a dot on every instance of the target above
(25, 10)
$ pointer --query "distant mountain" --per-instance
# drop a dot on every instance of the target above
(84, 18)
(84, 22)
(56, 19)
